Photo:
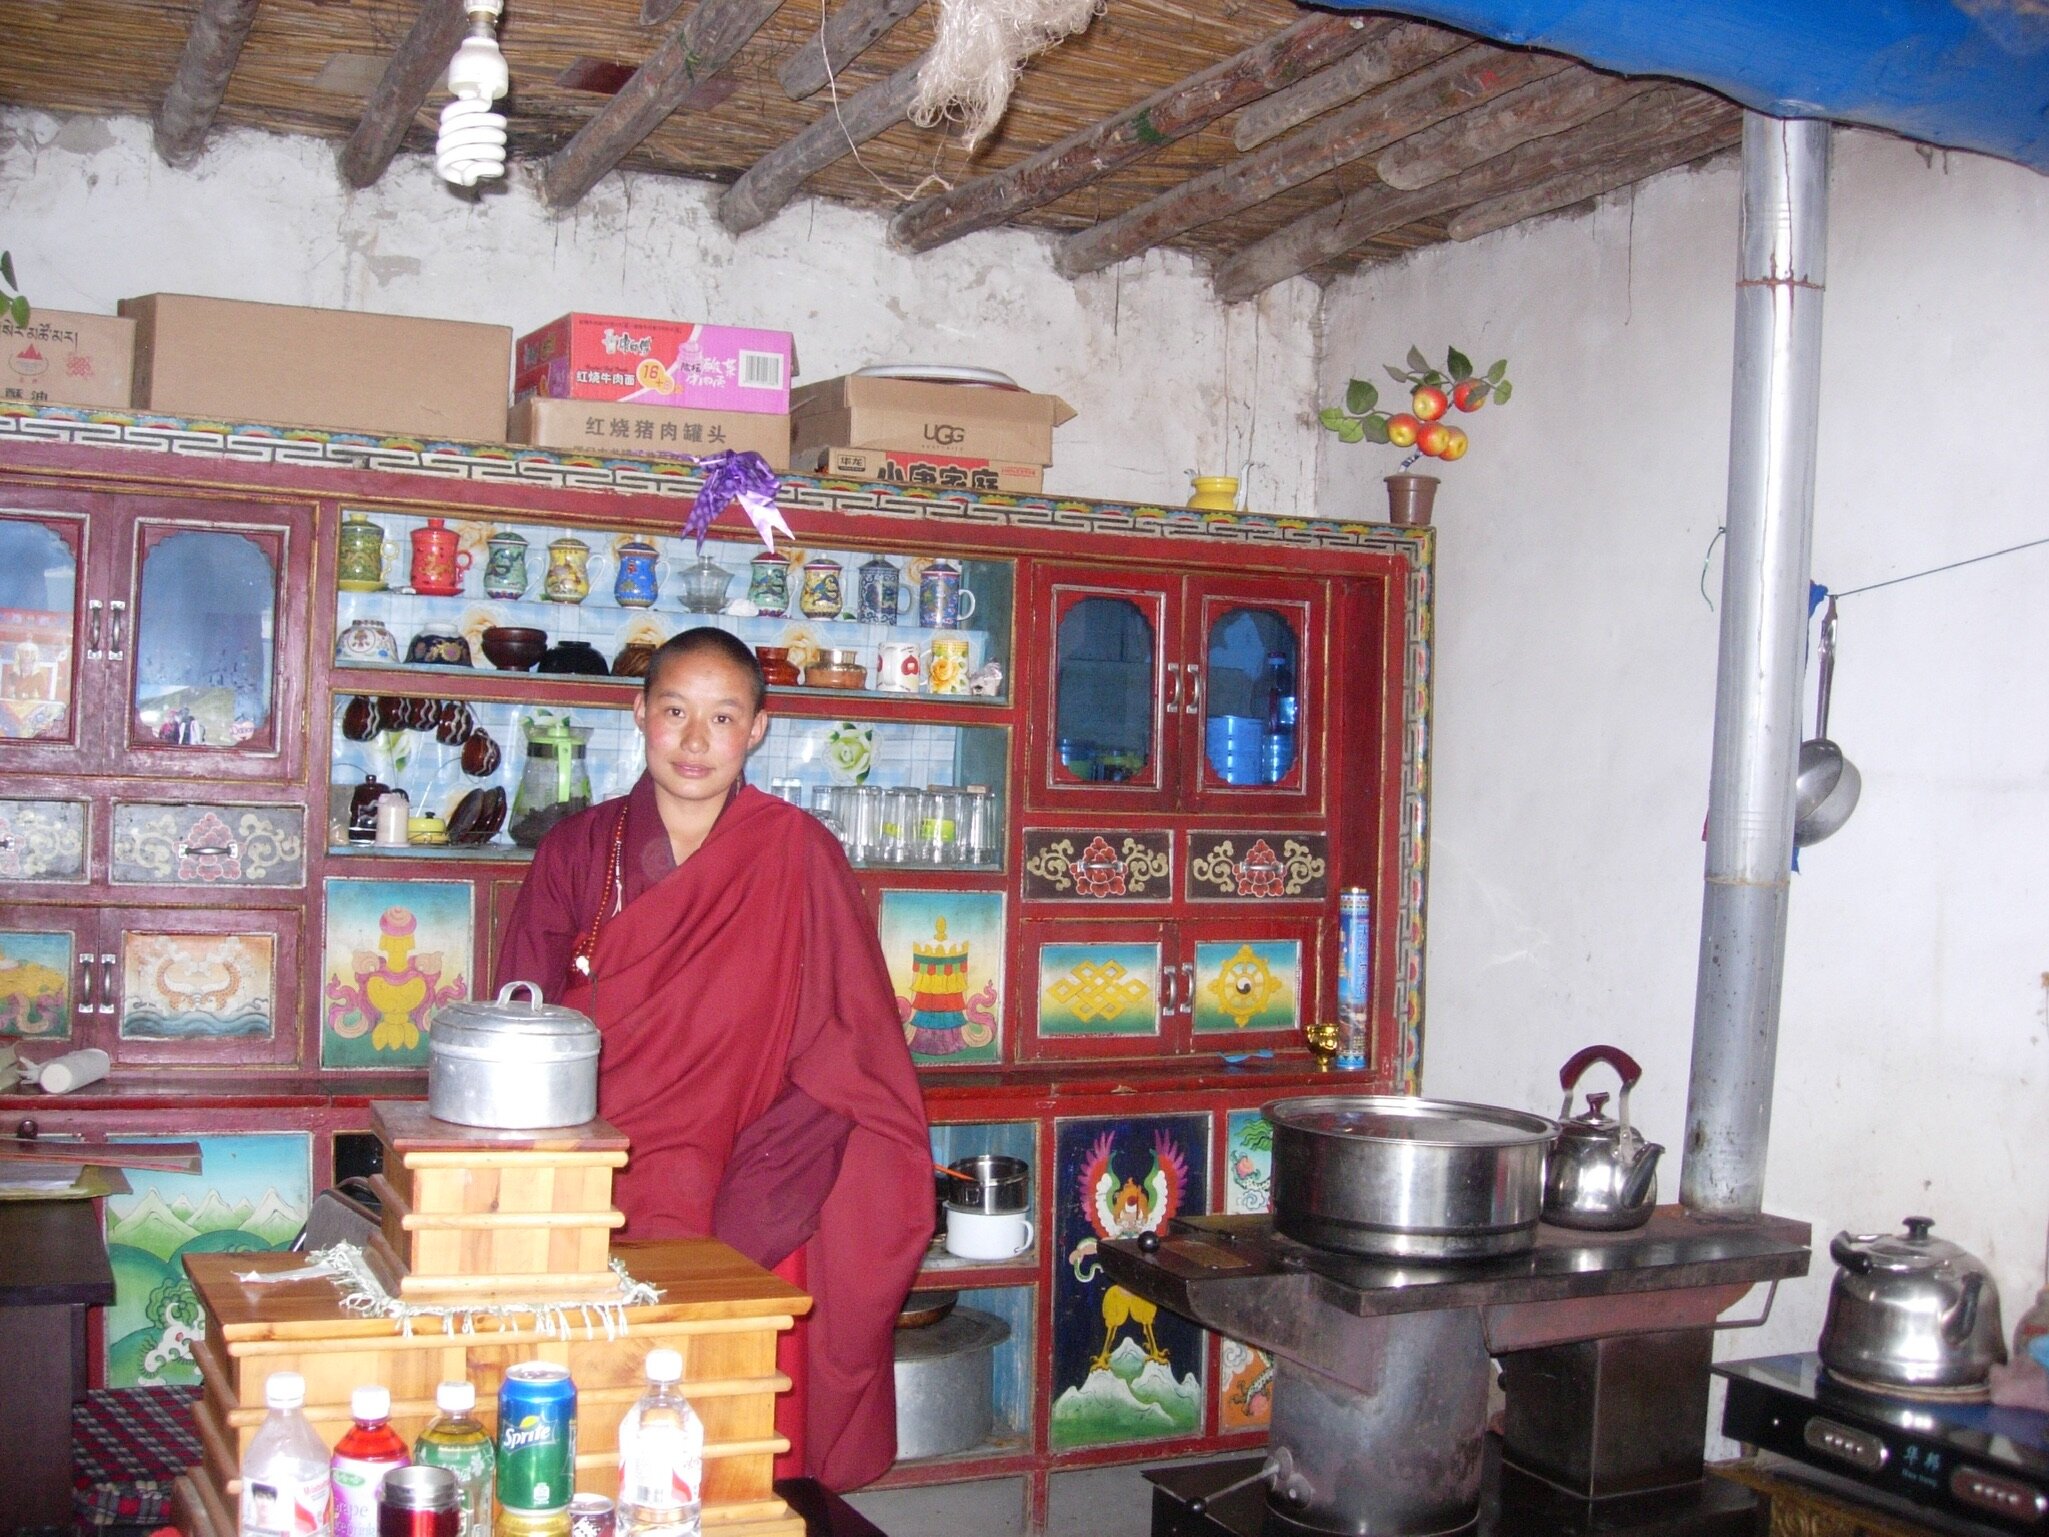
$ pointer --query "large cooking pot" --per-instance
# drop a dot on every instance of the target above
(513, 1065)
(1398, 1177)
(1911, 1312)
(944, 1373)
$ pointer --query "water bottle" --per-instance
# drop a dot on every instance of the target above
(368, 1450)
(1277, 739)
(457, 1440)
(661, 1456)
(285, 1488)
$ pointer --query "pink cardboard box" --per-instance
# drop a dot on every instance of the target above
(657, 363)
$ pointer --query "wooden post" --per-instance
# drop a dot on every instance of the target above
(697, 50)
(845, 36)
(1118, 140)
(1570, 187)
(415, 66)
(1379, 209)
(774, 179)
(1430, 95)
(1536, 111)
(212, 47)
(1402, 48)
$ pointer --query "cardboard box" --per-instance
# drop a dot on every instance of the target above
(647, 432)
(970, 421)
(658, 363)
(67, 359)
(907, 467)
(340, 369)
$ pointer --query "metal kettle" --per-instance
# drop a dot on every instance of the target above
(1601, 1173)
(1911, 1311)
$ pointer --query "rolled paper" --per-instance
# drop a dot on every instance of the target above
(73, 1070)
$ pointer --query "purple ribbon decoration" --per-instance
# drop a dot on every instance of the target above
(737, 477)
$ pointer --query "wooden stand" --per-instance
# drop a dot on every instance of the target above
(718, 1309)
(473, 1215)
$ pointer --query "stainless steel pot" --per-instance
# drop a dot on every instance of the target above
(943, 1383)
(990, 1182)
(1406, 1178)
(1601, 1173)
(1911, 1312)
(512, 1065)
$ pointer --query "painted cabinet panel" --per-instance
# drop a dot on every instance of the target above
(207, 845)
(43, 842)
(1098, 989)
(209, 988)
(1089, 865)
(44, 578)
(49, 976)
(1257, 866)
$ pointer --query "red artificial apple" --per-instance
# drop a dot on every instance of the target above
(1432, 439)
(1454, 444)
(1402, 429)
(1469, 394)
(1429, 402)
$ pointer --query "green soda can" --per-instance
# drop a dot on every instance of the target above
(536, 1440)
(457, 1440)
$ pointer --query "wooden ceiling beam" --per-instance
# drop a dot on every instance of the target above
(1380, 209)
(212, 48)
(1116, 141)
(843, 38)
(773, 180)
(1570, 187)
(394, 103)
(1428, 95)
(1537, 111)
(705, 43)
(1408, 46)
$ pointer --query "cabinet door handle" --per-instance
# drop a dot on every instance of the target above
(106, 984)
(1168, 1007)
(117, 628)
(1194, 706)
(1187, 987)
(92, 630)
(85, 1003)
(1174, 693)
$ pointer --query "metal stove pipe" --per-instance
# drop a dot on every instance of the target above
(1757, 686)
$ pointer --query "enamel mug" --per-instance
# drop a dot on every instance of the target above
(897, 669)
(986, 1235)
(949, 665)
(942, 601)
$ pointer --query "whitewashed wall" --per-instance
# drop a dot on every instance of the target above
(1575, 681)
(1165, 380)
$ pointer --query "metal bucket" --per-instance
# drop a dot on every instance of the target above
(513, 1066)
(943, 1383)
(1405, 1178)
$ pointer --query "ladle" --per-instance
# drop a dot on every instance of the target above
(1826, 789)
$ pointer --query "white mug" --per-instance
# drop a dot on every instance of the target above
(897, 668)
(987, 1234)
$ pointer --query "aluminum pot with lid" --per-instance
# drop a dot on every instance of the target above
(1911, 1311)
(990, 1182)
(1601, 1173)
(1407, 1178)
(512, 1065)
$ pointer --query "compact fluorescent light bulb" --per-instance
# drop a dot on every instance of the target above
(472, 142)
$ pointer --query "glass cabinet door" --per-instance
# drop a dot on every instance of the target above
(207, 680)
(1108, 652)
(42, 581)
(1255, 695)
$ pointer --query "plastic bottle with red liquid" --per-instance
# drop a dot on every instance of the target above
(369, 1450)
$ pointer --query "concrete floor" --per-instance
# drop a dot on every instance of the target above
(1096, 1502)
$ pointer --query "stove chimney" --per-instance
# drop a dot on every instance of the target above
(1779, 281)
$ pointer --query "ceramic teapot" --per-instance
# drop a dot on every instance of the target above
(1601, 1173)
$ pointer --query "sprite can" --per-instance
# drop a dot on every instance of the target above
(536, 1440)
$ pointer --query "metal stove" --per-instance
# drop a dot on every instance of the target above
(1382, 1369)
(1979, 1466)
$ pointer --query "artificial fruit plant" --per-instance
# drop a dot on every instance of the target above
(1432, 394)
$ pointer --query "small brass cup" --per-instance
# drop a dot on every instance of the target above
(1323, 1042)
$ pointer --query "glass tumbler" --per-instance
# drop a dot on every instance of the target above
(939, 825)
(898, 829)
(978, 826)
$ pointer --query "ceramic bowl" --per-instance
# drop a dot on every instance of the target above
(632, 660)
(512, 648)
(574, 656)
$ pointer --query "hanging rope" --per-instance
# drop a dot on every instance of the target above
(1915, 576)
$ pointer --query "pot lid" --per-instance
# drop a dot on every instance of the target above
(1593, 1124)
(528, 1017)
(637, 547)
(1404, 1118)
(1909, 1252)
(960, 1332)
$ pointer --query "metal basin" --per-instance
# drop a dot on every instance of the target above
(1397, 1177)
(943, 1383)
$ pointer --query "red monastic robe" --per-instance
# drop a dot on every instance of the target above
(740, 991)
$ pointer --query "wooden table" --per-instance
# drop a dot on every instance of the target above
(1794, 1502)
(53, 1266)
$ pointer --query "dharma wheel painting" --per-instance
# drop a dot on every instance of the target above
(1124, 1369)
(945, 954)
(252, 1193)
(396, 951)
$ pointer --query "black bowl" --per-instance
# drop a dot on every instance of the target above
(574, 656)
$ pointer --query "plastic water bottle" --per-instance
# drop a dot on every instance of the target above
(457, 1440)
(285, 1488)
(661, 1456)
(368, 1450)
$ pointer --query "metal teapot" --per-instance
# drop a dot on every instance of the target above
(1601, 1173)
(1910, 1311)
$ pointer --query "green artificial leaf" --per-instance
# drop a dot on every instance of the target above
(1434, 377)
(1351, 430)
(1395, 373)
(18, 308)
(1457, 364)
(1502, 392)
(1360, 397)
(1495, 373)
(1476, 397)
(1375, 427)
(1417, 361)
(1331, 417)
(7, 267)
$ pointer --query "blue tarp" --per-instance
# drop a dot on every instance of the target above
(1969, 74)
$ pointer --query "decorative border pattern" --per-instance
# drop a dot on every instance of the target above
(552, 469)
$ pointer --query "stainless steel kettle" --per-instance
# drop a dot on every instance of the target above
(1911, 1312)
(1601, 1173)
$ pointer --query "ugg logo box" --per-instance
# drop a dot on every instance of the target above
(657, 363)
(1005, 426)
